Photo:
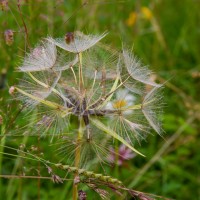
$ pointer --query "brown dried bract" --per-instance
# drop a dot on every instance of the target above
(69, 37)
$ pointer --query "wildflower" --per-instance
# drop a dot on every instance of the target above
(4, 5)
(123, 99)
(56, 178)
(82, 195)
(9, 37)
(146, 13)
(121, 155)
(131, 19)
(11, 90)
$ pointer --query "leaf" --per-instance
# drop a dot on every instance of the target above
(112, 133)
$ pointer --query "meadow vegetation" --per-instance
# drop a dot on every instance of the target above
(164, 35)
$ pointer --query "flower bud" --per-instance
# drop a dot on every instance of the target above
(9, 37)
(82, 195)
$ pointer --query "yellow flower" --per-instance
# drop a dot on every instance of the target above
(132, 19)
(119, 104)
(123, 99)
(146, 13)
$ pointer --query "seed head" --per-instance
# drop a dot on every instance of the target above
(103, 90)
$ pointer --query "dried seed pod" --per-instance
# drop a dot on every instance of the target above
(9, 37)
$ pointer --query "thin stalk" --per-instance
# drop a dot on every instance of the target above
(2, 142)
(78, 155)
(11, 187)
(19, 192)
(81, 82)
(75, 79)
(116, 158)
(160, 152)
(38, 181)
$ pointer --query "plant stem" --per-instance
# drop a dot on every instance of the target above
(81, 82)
(77, 155)
(116, 158)
(2, 142)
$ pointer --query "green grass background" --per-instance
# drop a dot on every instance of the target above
(170, 46)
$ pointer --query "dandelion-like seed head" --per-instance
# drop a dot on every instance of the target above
(79, 78)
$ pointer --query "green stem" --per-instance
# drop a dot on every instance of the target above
(116, 158)
(2, 142)
(78, 155)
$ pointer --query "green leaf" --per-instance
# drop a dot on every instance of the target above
(112, 133)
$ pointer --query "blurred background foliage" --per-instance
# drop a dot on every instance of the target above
(165, 35)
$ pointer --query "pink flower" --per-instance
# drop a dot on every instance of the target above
(11, 90)
(9, 37)
(4, 5)
(123, 153)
